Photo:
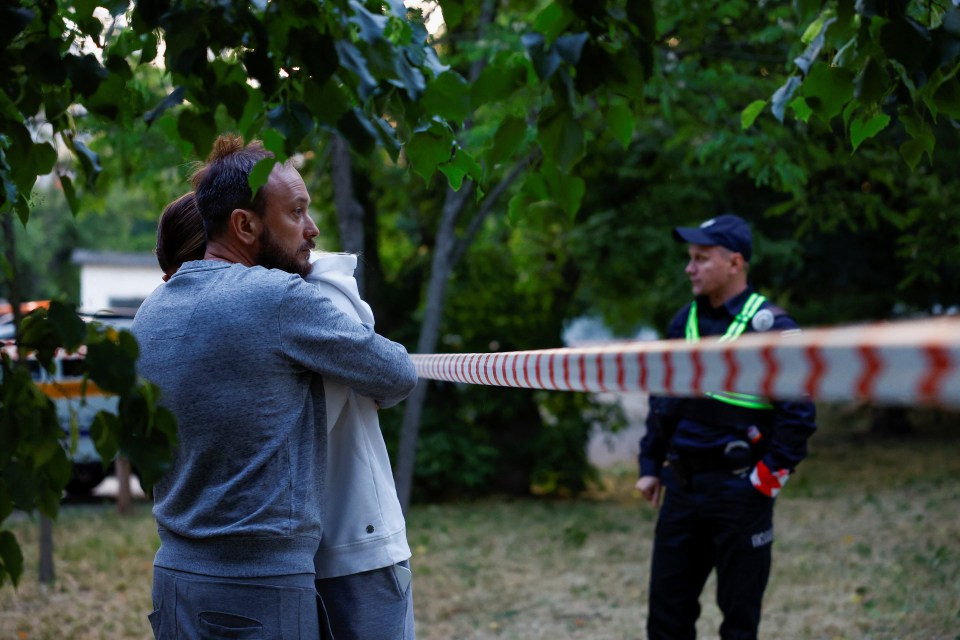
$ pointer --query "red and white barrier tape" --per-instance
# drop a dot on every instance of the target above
(910, 362)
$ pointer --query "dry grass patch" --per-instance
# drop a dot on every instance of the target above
(104, 567)
(868, 548)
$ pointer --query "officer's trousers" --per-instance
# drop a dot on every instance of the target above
(717, 520)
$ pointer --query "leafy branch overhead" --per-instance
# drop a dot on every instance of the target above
(339, 65)
(69, 69)
(874, 64)
(283, 72)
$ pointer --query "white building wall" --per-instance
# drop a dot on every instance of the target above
(105, 287)
(111, 280)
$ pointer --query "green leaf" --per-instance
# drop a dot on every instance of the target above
(545, 60)
(502, 76)
(872, 82)
(947, 98)
(253, 115)
(620, 123)
(44, 157)
(407, 77)
(509, 136)
(149, 50)
(427, 149)
(85, 73)
(27, 159)
(358, 130)
(22, 484)
(570, 46)
(452, 14)
(561, 138)
(56, 470)
(912, 152)
(750, 113)
(11, 558)
(105, 432)
(294, 121)
(70, 194)
(448, 96)
(801, 109)
(387, 135)
(69, 328)
(551, 21)
(518, 207)
(36, 333)
(260, 173)
(174, 98)
(352, 59)
(146, 431)
(816, 27)
(200, 129)
(150, 452)
(564, 189)
(861, 129)
(827, 89)
(274, 142)
(328, 102)
(922, 141)
(89, 161)
(110, 365)
(461, 165)
(905, 41)
(782, 96)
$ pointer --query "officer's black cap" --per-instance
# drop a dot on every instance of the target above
(728, 231)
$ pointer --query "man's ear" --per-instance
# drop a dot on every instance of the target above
(246, 225)
(737, 262)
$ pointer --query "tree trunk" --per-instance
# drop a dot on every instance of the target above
(440, 269)
(45, 568)
(348, 209)
(124, 496)
(446, 255)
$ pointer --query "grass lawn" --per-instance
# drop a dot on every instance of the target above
(867, 547)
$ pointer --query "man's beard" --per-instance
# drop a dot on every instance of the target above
(272, 256)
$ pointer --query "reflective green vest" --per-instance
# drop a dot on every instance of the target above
(736, 328)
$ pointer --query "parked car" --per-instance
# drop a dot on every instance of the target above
(64, 386)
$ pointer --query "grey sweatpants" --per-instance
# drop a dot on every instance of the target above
(373, 605)
(189, 606)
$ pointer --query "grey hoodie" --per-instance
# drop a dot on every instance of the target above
(240, 355)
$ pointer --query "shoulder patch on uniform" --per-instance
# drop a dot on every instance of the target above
(775, 310)
(762, 320)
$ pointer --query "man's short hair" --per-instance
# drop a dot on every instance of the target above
(223, 183)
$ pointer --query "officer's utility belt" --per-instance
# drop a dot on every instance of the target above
(736, 457)
(700, 462)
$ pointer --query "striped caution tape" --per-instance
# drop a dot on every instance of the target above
(908, 362)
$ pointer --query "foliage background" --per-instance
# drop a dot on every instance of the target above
(569, 136)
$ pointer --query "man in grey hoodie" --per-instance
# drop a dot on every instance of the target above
(240, 346)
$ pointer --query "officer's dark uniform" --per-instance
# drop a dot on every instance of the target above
(713, 515)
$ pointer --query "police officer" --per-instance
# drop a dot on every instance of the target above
(721, 458)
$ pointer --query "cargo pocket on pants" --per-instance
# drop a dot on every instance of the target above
(217, 625)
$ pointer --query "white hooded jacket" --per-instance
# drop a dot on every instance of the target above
(364, 528)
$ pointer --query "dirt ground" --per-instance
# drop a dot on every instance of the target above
(867, 548)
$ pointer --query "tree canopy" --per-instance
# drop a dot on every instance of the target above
(514, 170)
